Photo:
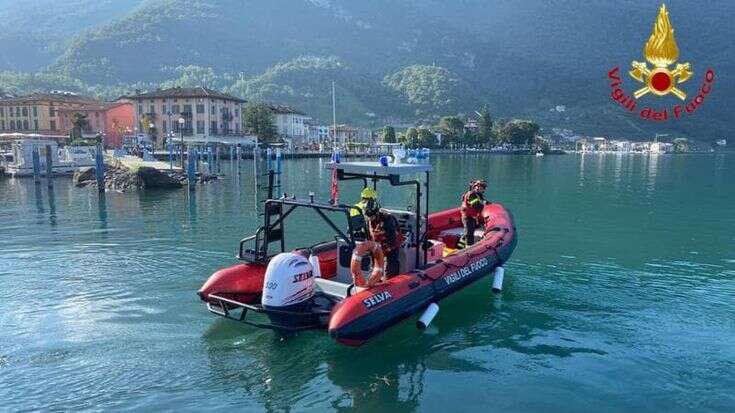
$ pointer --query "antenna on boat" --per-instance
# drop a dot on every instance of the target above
(334, 116)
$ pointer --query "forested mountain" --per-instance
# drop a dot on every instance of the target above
(33, 33)
(391, 59)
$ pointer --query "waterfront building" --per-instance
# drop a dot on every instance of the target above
(290, 123)
(318, 133)
(344, 134)
(43, 113)
(119, 122)
(52, 114)
(471, 125)
(200, 114)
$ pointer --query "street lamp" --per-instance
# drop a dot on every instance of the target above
(182, 121)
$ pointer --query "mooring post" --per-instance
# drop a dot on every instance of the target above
(170, 155)
(239, 157)
(278, 171)
(99, 169)
(49, 166)
(190, 173)
(270, 183)
(200, 158)
(209, 160)
(216, 158)
(268, 155)
(36, 165)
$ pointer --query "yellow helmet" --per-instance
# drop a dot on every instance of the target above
(369, 193)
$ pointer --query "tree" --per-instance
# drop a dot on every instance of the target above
(518, 132)
(412, 138)
(426, 138)
(258, 117)
(389, 134)
(79, 122)
(452, 129)
(485, 133)
(542, 144)
(681, 145)
(470, 139)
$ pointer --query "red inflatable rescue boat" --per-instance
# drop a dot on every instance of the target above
(313, 287)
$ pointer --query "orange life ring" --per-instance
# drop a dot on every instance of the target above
(376, 253)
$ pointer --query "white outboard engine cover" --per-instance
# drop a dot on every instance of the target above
(289, 280)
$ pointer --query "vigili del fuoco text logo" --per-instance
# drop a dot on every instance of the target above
(662, 78)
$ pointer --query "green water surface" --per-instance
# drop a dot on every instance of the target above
(619, 297)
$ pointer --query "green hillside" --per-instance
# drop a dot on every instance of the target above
(409, 60)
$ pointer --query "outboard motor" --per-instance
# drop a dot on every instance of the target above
(288, 287)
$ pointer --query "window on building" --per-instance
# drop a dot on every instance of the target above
(2, 125)
(51, 111)
(52, 125)
(237, 112)
(163, 127)
(213, 109)
(187, 109)
(12, 125)
(25, 125)
(2, 112)
(17, 111)
(35, 111)
(164, 109)
(25, 111)
(35, 124)
(175, 108)
(200, 108)
(213, 127)
(200, 127)
(153, 109)
(140, 109)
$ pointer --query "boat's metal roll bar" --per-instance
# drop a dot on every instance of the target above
(395, 180)
(273, 231)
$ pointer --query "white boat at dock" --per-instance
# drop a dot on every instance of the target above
(63, 162)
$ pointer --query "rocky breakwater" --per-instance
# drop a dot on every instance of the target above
(121, 179)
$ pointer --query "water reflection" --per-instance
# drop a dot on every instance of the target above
(652, 161)
(39, 199)
(389, 373)
(192, 206)
(52, 206)
(581, 169)
(102, 209)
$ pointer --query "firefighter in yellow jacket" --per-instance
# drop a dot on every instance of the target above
(472, 203)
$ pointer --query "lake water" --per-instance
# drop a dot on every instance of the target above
(619, 297)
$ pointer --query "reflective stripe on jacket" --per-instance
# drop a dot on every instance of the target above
(472, 203)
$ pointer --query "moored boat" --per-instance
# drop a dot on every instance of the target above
(313, 287)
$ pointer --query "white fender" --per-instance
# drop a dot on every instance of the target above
(498, 279)
(428, 315)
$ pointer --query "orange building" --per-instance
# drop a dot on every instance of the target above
(53, 114)
(119, 120)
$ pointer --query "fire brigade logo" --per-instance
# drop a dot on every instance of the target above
(661, 51)
(662, 77)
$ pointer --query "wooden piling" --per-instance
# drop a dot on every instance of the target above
(190, 173)
(49, 167)
(36, 165)
(99, 168)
